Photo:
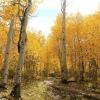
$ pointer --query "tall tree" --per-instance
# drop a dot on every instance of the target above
(7, 15)
(62, 44)
(16, 91)
(7, 52)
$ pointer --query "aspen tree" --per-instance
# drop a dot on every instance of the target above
(16, 91)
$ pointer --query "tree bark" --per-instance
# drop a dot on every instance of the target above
(16, 92)
(93, 72)
(62, 46)
(75, 58)
(7, 52)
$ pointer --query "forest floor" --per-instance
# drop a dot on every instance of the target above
(54, 90)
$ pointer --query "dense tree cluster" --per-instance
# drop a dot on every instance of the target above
(30, 56)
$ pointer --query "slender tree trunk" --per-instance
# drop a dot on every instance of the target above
(75, 58)
(62, 56)
(81, 62)
(7, 52)
(16, 91)
(93, 72)
(81, 70)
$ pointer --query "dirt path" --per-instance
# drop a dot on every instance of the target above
(41, 90)
(51, 92)
(46, 90)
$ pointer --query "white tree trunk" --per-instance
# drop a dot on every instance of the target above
(62, 45)
(7, 52)
(21, 49)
